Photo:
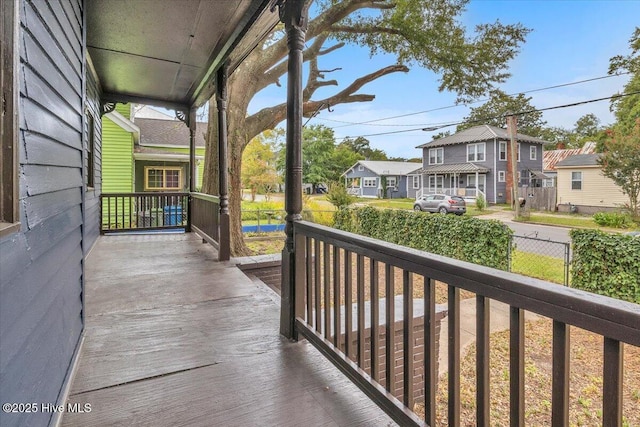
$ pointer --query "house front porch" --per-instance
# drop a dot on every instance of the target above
(175, 337)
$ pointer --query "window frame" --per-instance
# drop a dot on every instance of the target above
(164, 178)
(416, 182)
(436, 151)
(90, 178)
(476, 152)
(502, 176)
(368, 180)
(533, 152)
(9, 161)
(501, 151)
(578, 181)
(391, 179)
(360, 168)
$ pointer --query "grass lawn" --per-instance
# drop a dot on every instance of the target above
(538, 266)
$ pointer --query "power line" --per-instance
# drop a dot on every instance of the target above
(371, 122)
(556, 107)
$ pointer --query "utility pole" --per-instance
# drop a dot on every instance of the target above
(512, 127)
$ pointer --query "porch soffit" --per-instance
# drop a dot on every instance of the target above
(455, 168)
(165, 52)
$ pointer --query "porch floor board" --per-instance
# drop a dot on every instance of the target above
(175, 338)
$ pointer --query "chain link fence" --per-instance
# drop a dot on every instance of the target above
(541, 258)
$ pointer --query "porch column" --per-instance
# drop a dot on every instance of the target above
(477, 184)
(224, 250)
(192, 161)
(293, 14)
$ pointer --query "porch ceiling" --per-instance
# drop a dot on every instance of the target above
(165, 52)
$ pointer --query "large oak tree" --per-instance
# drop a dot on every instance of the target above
(421, 33)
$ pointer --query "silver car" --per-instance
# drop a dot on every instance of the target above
(441, 203)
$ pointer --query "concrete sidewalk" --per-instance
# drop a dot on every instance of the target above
(499, 321)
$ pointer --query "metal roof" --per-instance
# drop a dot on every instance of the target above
(454, 168)
(552, 157)
(579, 160)
(380, 167)
(166, 52)
(478, 134)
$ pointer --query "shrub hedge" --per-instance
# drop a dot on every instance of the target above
(461, 237)
(606, 264)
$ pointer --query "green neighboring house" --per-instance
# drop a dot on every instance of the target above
(148, 154)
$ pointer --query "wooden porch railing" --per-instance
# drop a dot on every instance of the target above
(143, 211)
(333, 269)
(205, 217)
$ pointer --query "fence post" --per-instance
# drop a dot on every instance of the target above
(566, 263)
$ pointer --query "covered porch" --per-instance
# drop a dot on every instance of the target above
(466, 180)
(174, 337)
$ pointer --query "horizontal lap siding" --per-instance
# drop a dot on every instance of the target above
(92, 196)
(41, 265)
(117, 155)
(597, 190)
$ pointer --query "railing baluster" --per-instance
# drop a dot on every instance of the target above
(407, 334)
(115, 201)
(560, 388)
(613, 381)
(360, 303)
(336, 297)
(482, 361)
(516, 366)
(375, 320)
(327, 293)
(348, 311)
(454, 355)
(390, 338)
(430, 356)
(309, 282)
(130, 213)
(317, 284)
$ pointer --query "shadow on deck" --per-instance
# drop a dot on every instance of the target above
(174, 337)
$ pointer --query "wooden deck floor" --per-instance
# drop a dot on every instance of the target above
(175, 338)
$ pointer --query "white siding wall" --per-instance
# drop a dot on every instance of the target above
(597, 190)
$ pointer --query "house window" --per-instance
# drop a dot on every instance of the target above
(533, 152)
(416, 182)
(369, 182)
(475, 152)
(162, 178)
(519, 176)
(436, 156)
(436, 182)
(502, 176)
(91, 161)
(502, 151)
(518, 154)
(360, 168)
(576, 180)
(391, 181)
(9, 212)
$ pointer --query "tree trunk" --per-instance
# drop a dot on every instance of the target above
(238, 247)
(211, 178)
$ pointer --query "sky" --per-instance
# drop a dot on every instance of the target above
(570, 41)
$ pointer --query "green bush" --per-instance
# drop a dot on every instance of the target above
(460, 237)
(338, 195)
(481, 203)
(606, 264)
(613, 219)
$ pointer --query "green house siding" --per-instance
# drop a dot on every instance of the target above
(117, 163)
(199, 152)
(117, 155)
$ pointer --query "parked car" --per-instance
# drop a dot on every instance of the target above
(441, 203)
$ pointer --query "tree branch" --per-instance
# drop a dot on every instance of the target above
(368, 29)
(268, 118)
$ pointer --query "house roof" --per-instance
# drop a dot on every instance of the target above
(389, 168)
(454, 168)
(579, 160)
(169, 132)
(146, 153)
(166, 52)
(478, 134)
(552, 157)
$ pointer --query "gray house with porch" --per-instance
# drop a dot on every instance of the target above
(475, 161)
(371, 178)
